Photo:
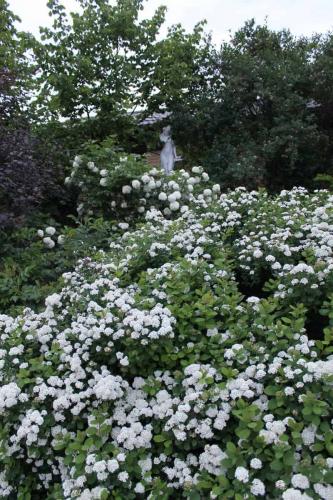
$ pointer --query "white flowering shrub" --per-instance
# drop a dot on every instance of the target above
(152, 375)
(122, 186)
(50, 237)
(288, 239)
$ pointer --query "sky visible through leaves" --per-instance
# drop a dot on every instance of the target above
(302, 17)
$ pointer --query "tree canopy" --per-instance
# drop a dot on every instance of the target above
(260, 120)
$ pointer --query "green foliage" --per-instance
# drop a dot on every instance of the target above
(14, 61)
(324, 180)
(98, 66)
(29, 270)
(259, 119)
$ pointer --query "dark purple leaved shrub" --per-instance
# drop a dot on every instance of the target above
(28, 174)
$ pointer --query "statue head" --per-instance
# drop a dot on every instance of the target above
(166, 134)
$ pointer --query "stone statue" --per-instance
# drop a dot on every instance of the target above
(168, 153)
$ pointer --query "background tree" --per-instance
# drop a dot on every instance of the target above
(254, 123)
(102, 65)
(16, 68)
(322, 89)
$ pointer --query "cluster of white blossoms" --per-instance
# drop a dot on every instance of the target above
(154, 189)
(49, 237)
(290, 237)
(150, 374)
(9, 394)
(101, 188)
(94, 179)
(78, 164)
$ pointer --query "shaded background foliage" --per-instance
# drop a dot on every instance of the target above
(30, 176)
(263, 120)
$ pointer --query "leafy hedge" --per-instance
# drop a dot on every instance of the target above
(157, 372)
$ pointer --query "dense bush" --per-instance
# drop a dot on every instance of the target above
(114, 191)
(29, 177)
(33, 260)
(150, 375)
(260, 116)
(29, 172)
(123, 186)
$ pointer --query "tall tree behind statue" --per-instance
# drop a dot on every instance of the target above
(97, 67)
(260, 116)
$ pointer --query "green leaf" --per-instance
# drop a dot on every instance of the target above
(194, 495)
(243, 433)
(160, 438)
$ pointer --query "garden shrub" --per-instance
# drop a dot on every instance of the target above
(150, 374)
(123, 186)
(32, 261)
(30, 175)
(259, 115)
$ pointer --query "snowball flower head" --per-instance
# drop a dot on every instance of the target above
(53, 300)
(292, 494)
(258, 488)
(124, 361)
(136, 184)
(162, 196)
(256, 463)
(139, 488)
(40, 233)
(300, 481)
(145, 178)
(123, 476)
(50, 230)
(103, 181)
(174, 206)
(242, 474)
(112, 465)
(257, 254)
(126, 189)
(48, 242)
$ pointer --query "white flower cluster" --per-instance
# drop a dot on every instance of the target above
(150, 373)
(149, 190)
(282, 230)
(9, 394)
(46, 236)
